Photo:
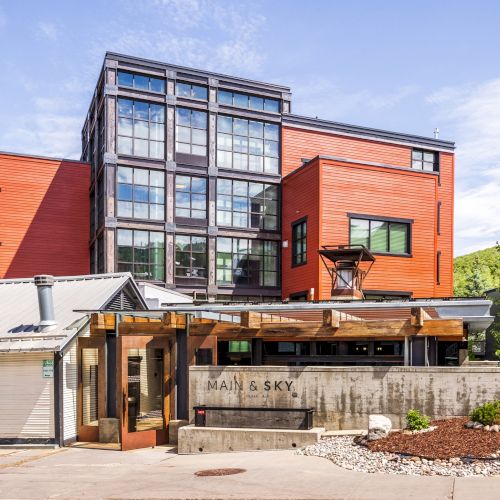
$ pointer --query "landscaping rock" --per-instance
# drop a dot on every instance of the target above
(342, 451)
(470, 424)
(495, 428)
(379, 427)
(477, 425)
(486, 427)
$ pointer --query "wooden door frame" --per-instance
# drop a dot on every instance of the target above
(90, 433)
(148, 438)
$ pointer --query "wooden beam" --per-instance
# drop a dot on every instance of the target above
(418, 316)
(331, 318)
(250, 319)
(126, 328)
(314, 330)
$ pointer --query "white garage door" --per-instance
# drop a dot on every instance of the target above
(26, 396)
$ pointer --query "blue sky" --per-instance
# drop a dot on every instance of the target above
(405, 66)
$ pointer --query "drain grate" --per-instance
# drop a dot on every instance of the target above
(218, 472)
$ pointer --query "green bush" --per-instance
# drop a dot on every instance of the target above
(487, 414)
(415, 421)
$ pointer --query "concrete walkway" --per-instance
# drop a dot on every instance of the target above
(161, 473)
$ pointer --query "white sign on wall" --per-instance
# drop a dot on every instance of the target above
(48, 368)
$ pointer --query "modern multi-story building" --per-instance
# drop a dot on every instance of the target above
(199, 179)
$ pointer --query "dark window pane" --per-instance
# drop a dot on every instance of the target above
(240, 100)
(378, 236)
(125, 107)
(360, 231)
(225, 124)
(272, 105)
(157, 85)
(141, 82)
(256, 102)
(398, 238)
(125, 79)
(183, 117)
(141, 110)
(183, 89)
(124, 192)
(225, 97)
(199, 92)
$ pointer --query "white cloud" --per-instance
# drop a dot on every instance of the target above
(196, 33)
(472, 113)
(48, 30)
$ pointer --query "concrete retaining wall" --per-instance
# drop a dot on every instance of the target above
(343, 397)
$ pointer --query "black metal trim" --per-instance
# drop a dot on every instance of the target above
(438, 267)
(27, 441)
(291, 120)
(58, 399)
(439, 218)
(379, 218)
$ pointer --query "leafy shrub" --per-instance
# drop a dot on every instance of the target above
(487, 414)
(415, 421)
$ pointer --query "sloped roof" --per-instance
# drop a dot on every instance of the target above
(19, 313)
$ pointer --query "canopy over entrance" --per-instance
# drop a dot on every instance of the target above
(343, 265)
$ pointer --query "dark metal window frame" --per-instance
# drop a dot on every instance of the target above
(149, 203)
(435, 162)
(190, 192)
(249, 96)
(149, 121)
(134, 75)
(248, 137)
(191, 85)
(191, 127)
(389, 220)
(302, 240)
(262, 268)
(134, 262)
(249, 212)
(182, 277)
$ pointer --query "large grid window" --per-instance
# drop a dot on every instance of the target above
(299, 243)
(141, 82)
(242, 261)
(381, 236)
(247, 204)
(248, 101)
(247, 145)
(191, 90)
(190, 197)
(141, 129)
(141, 253)
(424, 160)
(190, 256)
(140, 193)
(191, 132)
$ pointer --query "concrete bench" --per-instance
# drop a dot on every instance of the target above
(253, 417)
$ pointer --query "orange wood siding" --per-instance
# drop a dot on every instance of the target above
(382, 192)
(44, 217)
(301, 198)
(299, 143)
(445, 238)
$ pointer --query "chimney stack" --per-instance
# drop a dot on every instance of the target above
(44, 284)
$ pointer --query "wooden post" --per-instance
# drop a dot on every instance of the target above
(331, 318)
(250, 319)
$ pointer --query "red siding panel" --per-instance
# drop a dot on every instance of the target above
(301, 199)
(345, 187)
(44, 217)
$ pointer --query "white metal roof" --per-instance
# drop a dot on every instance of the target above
(19, 313)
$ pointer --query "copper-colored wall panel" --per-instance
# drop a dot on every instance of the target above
(44, 217)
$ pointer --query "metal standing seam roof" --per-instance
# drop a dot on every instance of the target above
(19, 313)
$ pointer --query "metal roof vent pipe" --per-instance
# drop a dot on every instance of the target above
(44, 284)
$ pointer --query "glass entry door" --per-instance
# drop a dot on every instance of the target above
(146, 385)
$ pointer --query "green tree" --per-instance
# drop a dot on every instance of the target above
(475, 283)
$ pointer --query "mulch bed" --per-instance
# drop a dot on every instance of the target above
(450, 439)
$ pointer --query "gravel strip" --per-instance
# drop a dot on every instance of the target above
(344, 452)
